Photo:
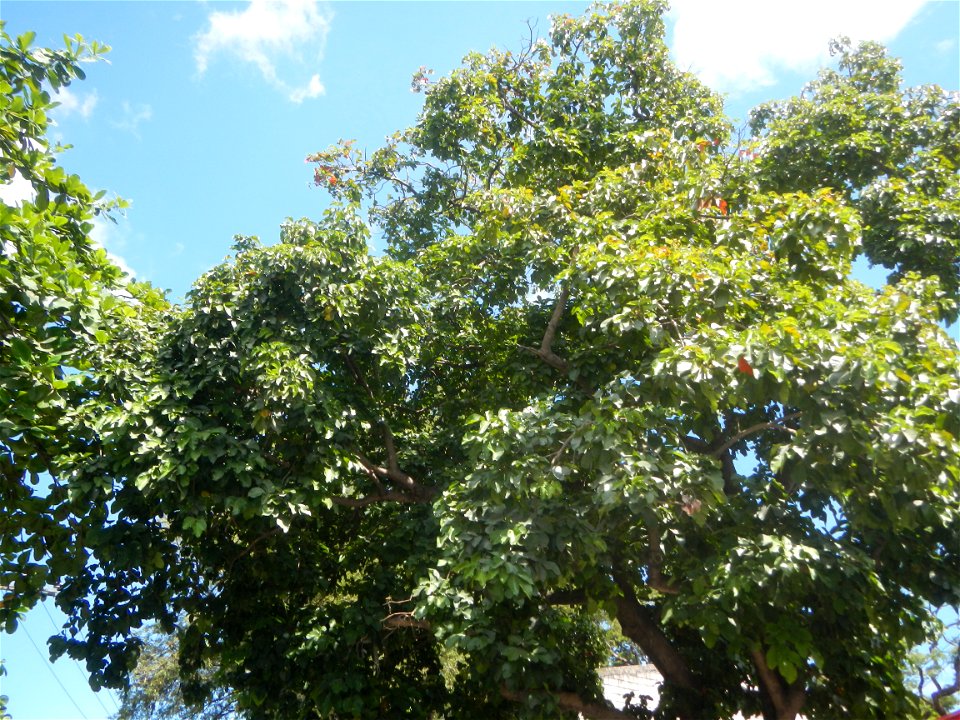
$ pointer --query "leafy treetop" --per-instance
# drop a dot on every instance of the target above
(612, 360)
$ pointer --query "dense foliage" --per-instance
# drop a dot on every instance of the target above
(54, 291)
(156, 693)
(59, 294)
(612, 359)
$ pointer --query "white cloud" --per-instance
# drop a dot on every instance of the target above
(132, 117)
(266, 32)
(111, 237)
(313, 89)
(946, 46)
(70, 103)
(16, 190)
(741, 44)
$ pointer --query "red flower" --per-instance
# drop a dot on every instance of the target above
(744, 367)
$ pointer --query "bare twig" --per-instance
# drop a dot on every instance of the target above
(555, 457)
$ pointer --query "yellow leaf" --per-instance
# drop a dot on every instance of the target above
(328, 313)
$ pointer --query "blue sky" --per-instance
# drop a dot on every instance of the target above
(206, 110)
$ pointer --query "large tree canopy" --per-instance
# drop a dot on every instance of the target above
(612, 359)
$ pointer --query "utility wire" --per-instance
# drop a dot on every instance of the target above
(85, 677)
(46, 661)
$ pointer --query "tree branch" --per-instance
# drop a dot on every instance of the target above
(551, 332)
(392, 471)
(405, 620)
(639, 625)
(572, 702)
(554, 361)
(787, 699)
(398, 476)
(945, 692)
(545, 351)
(774, 425)
(397, 497)
(501, 93)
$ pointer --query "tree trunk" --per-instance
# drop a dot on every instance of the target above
(781, 700)
(639, 624)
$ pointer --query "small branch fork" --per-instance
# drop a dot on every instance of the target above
(410, 490)
(787, 699)
(753, 429)
(545, 351)
(718, 451)
(936, 699)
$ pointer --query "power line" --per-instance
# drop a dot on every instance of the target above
(86, 679)
(46, 662)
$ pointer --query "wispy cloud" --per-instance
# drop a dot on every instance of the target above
(946, 46)
(74, 103)
(133, 115)
(750, 41)
(267, 32)
(112, 237)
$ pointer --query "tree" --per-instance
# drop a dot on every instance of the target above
(611, 360)
(58, 292)
(155, 691)
(52, 283)
(936, 668)
(4, 715)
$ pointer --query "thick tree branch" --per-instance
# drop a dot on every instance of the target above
(418, 491)
(545, 351)
(639, 625)
(551, 332)
(405, 620)
(392, 471)
(787, 698)
(554, 361)
(572, 703)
